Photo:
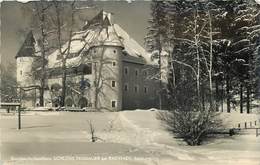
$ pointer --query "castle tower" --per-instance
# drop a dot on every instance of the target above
(107, 67)
(24, 62)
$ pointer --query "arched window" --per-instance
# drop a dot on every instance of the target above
(83, 102)
(69, 102)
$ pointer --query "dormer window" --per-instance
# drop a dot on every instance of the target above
(124, 52)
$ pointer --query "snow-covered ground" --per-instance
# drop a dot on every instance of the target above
(126, 137)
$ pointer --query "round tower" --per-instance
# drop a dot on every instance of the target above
(24, 71)
(106, 52)
(107, 74)
(24, 63)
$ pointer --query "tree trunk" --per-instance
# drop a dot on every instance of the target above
(222, 96)
(203, 98)
(228, 92)
(217, 95)
(248, 91)
(160, 71)
(63, 90)
(43, 75)
(96, 86)
(210, 60)
(41, 95)
(241, 98)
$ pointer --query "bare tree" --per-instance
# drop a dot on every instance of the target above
(41, 9)
(65, 24)
(92, 131)
(63, 52)
(191, 116)
(98, 77)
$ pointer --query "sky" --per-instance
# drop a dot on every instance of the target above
(132, 17)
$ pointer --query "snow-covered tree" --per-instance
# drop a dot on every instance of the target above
(238, 26)
(154, 39)
(189, 41)
(8, 91)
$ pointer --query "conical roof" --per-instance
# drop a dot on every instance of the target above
(27, 49)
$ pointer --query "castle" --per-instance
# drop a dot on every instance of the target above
(105, 67)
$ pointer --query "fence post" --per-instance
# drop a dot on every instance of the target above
(19, 118)
(256, 132)
(19, 110)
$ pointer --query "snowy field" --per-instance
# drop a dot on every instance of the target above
(127, 137)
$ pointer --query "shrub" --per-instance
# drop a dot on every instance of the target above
(193, 126)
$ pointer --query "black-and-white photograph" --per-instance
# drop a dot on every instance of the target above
(130, 82)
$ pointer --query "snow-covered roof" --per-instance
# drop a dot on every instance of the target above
(98, 33)
(132, 47)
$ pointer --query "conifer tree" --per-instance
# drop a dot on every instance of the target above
(154, 38)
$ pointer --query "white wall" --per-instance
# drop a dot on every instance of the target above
(25, 78)
(24, 71)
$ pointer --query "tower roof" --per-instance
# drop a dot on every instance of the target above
(101, 19)
(27, 49)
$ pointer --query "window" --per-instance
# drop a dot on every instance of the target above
(113, 104)
(113, 63)
(136, 72)
(145, 89)
(114, 51)
(126, 87)
(145, 73)
(113, 84)
(21, 73)
(126, 70)
(136, 88)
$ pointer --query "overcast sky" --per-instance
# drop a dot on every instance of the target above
(130, 16)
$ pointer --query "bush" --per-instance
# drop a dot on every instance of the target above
(193, 126)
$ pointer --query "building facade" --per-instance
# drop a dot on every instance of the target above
(105, 69)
